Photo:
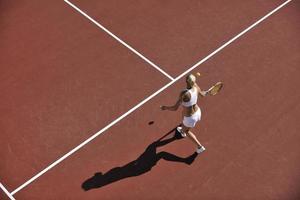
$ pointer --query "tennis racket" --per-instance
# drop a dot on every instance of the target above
(215, 89)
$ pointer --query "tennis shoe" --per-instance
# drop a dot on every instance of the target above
(179, 129)
(200, 149)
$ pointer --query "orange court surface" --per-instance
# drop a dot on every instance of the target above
(82, 82)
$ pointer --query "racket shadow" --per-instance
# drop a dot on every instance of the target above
(143, 164)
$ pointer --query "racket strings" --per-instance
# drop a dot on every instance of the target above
(216, 88)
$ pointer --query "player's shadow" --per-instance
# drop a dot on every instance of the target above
(141, 165)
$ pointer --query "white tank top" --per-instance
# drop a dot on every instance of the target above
(194, 97)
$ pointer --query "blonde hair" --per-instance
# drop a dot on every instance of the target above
(191, 79)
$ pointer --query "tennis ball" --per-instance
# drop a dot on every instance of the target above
(198, 74)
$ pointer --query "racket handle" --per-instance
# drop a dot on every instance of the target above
(206, 92)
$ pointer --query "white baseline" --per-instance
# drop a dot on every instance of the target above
(6, 192)
(119, 40)
(146, 100)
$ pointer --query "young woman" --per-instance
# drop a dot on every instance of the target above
(191, 111)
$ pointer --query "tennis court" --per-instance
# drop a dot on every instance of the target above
(82, 80)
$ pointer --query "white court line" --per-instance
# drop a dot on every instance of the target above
(145, 100)
(6, 192)
(119, 40)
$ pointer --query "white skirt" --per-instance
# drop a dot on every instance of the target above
(192, 120)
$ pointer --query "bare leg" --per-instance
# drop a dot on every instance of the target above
(191, 135)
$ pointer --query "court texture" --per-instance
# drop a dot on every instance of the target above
(82, 82)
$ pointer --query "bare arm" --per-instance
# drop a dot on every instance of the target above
(175, 106)
(201, 92)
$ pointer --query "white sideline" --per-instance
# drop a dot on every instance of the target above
(6, 192)
(146, 100)
(119, 40)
